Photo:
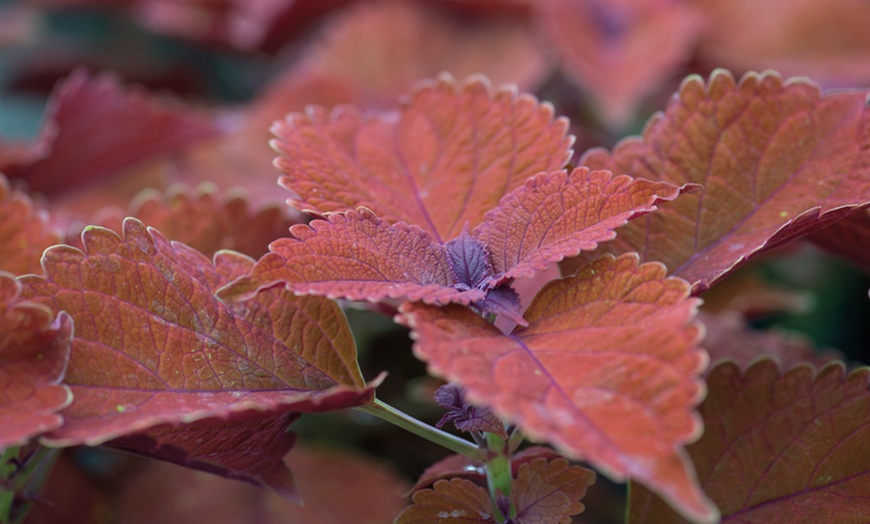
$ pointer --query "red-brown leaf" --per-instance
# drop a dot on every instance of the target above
(24, 232)
(95, 128)
(607, 370)
(153, 345)
(383, 48)
(462, 466)
(777, 161)
(205, 220)
(357, 256)
(827, 42)
(619, 52)
(251, 450)
(34, 351)
(780, 447)
(457, 501)
(463, 143)
(549, 492)
(555, 215)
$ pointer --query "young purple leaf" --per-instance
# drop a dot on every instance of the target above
(464, 415)
(469, 262)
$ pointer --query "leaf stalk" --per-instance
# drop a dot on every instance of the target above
(392, 415)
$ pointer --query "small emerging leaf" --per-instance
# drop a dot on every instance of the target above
(780, 447)
(549, 492)
(457, 501)
(465, 416)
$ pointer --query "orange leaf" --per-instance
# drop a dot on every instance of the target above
(153, 345)
(383, 48)
(457, 501)
(620, 51)
(463, 143)
(24, 232)
(205, 220)
(777, 161)
(780, 447)
(607, 370)
(34, 350)
(549, 493)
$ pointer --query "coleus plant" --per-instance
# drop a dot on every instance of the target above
(435, 212)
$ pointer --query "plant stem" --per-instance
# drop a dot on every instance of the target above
(31, 478)
(498, 471)
(7, 494)
(407, 422)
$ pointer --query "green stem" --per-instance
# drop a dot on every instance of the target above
(498, 470)
(407, 422)
(7, 494)
(32, 477)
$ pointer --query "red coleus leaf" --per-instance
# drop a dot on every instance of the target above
(24, 232)
(462, 466)
(780, 447)
(358, 256)
(463, 143)
(153, 345)
(465, 416)
(827, 42)
(383, 48)
(205, 221)
(549, 492)
(607, 370)
(542, 493)
(455, 501)
(241, 24)
(620, 51)
(336, 487)
(251, 450)
(777, 161)
(34, 351)
(95, 128)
